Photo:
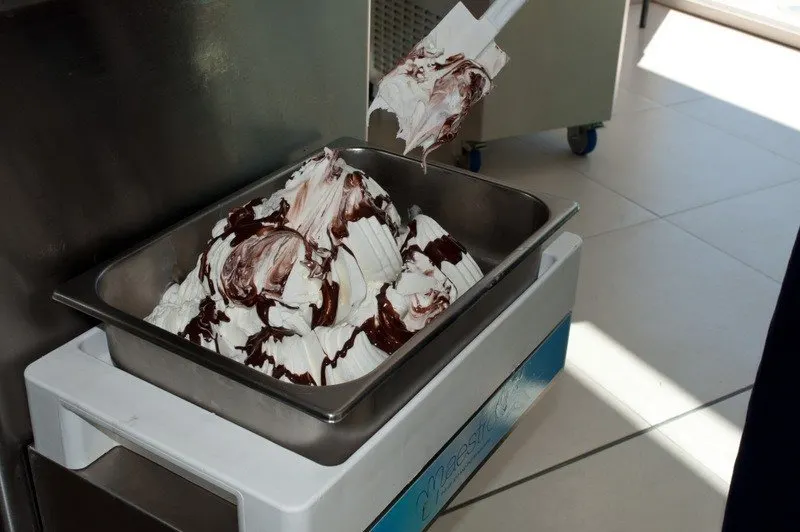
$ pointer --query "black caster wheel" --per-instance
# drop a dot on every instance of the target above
(582, 139)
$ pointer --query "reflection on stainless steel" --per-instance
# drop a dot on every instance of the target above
(503, 228)
(117, 118)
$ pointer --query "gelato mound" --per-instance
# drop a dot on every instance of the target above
(319, 283)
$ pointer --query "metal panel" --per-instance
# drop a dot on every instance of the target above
(124, 492)
(121, 117)
(398, 25)
(564, 57)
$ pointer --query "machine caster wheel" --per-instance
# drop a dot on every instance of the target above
(475, 160)
(582, 139)
(471, 157)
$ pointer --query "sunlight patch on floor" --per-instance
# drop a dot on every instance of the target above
(756, 75)
(606, 365)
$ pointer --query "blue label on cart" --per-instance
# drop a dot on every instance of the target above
(426, 496)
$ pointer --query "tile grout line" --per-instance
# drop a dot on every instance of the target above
(700, 94)
(666, 217)
(656, 216)
(575, 168)
(594, 451)
(676, 226)
(737, 259)
(703, 96)
(690, 117)
(731, 133)
(737, 196)
(608, 231)
(620, 194)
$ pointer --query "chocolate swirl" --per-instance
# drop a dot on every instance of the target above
(200, 327)
(275, 248)
(256, 354)
(294, 271)
(431, 93)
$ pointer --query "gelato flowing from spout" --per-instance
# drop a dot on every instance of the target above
(431, 93)
(319, 283)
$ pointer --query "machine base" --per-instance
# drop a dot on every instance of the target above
(82, 407)
(417, 506)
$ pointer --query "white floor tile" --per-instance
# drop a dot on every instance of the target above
(745, 124)
(655, 87)
(629, 102)
(759, 228)
(729, 65)
(668, 162)
(647, 483)
(574, 417)
(533, 166)
(665, 322)
(711, 435)
(643, 82)
(529, 156)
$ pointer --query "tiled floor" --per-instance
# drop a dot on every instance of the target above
(690, 205)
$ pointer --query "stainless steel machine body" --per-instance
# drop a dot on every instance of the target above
(120, 118)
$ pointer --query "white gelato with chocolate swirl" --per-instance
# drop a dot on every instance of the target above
(431, 93)
(318, 283)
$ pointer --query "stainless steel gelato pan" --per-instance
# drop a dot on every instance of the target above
(503, 228)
